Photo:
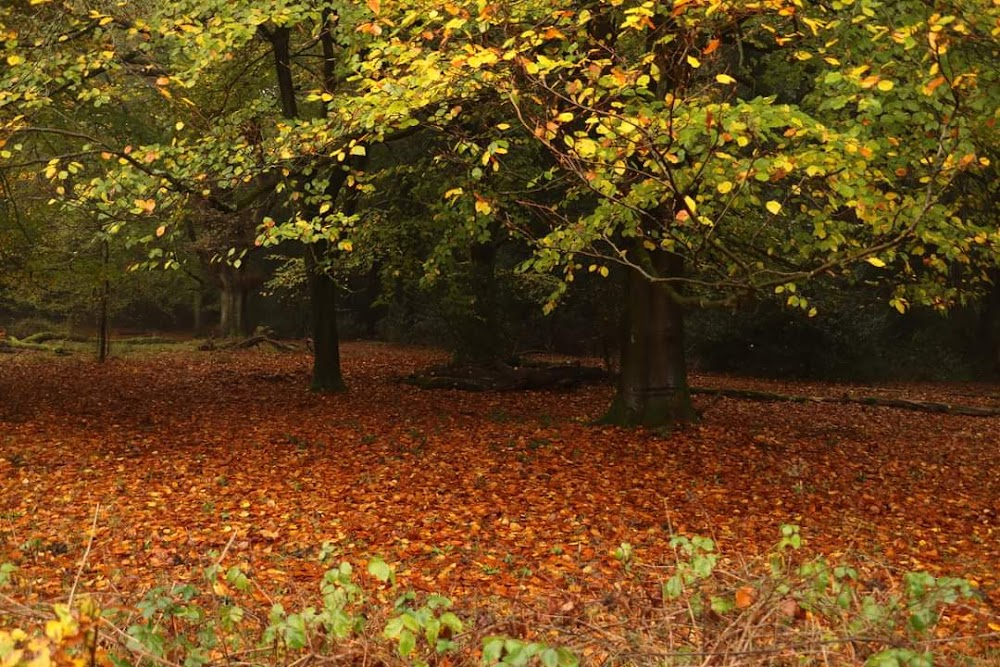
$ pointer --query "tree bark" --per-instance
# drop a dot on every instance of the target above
(989, 323)
(480, 341)
(652, 387)
(197, 305)
(103, 345)
(232, 303)
(327, 375)
(373, 310)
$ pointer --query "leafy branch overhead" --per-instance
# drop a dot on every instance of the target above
(710, 153)
(668, 127)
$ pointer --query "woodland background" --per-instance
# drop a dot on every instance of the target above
(637, 213)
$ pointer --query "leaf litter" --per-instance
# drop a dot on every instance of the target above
(512, 497)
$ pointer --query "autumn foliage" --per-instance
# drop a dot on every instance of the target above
(145, 471)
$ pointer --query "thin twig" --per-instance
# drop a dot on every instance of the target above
(226, 548)
(86, 553)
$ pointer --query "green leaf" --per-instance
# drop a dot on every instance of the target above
(492, 650)
(407, 642)
(379, 569)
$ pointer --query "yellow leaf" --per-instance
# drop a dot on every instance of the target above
(346, 245)
(161, 230)
(603, 271)
(724, 79)
(454, 192)
(179, 126)
(725, 186)
(774, 207)
(13, 60)
(54, 630)
(693, 62)
(358, 149)
(692, 206)
(585, 147)
(483, 206)
(145, 205)
(875, 261)
(885, 85)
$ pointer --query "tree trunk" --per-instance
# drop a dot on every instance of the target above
(652, 386)
(480, 341)
(373, 310)
(102, 336)
(326, 342)
(322, 289)
(103, 344)
(232, 303)
(989, 324)
(197, 305)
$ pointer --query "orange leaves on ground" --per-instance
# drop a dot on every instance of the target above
(514, 495)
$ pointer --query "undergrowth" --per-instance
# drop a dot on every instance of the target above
(781, 610)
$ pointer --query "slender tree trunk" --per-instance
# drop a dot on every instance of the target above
(322, 289)
(327, 376)
(197, 305)
(103, 345)
(989, 323)
(373, 288)
(652, 387)
(227, 306)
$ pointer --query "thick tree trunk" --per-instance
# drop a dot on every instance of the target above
(326, 342)
(232, 304)
(480, 340)
(652, 386)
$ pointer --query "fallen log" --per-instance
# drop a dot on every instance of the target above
(252, 341)
(900, 403)
(24, 344)
(49, 336)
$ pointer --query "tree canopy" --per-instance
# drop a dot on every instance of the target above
(712, 152)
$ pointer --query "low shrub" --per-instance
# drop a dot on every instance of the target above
(781, 610)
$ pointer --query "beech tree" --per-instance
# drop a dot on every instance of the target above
(708, 194)
(667, 155)
(327, 81)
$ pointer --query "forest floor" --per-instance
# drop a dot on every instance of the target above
(509, 498)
